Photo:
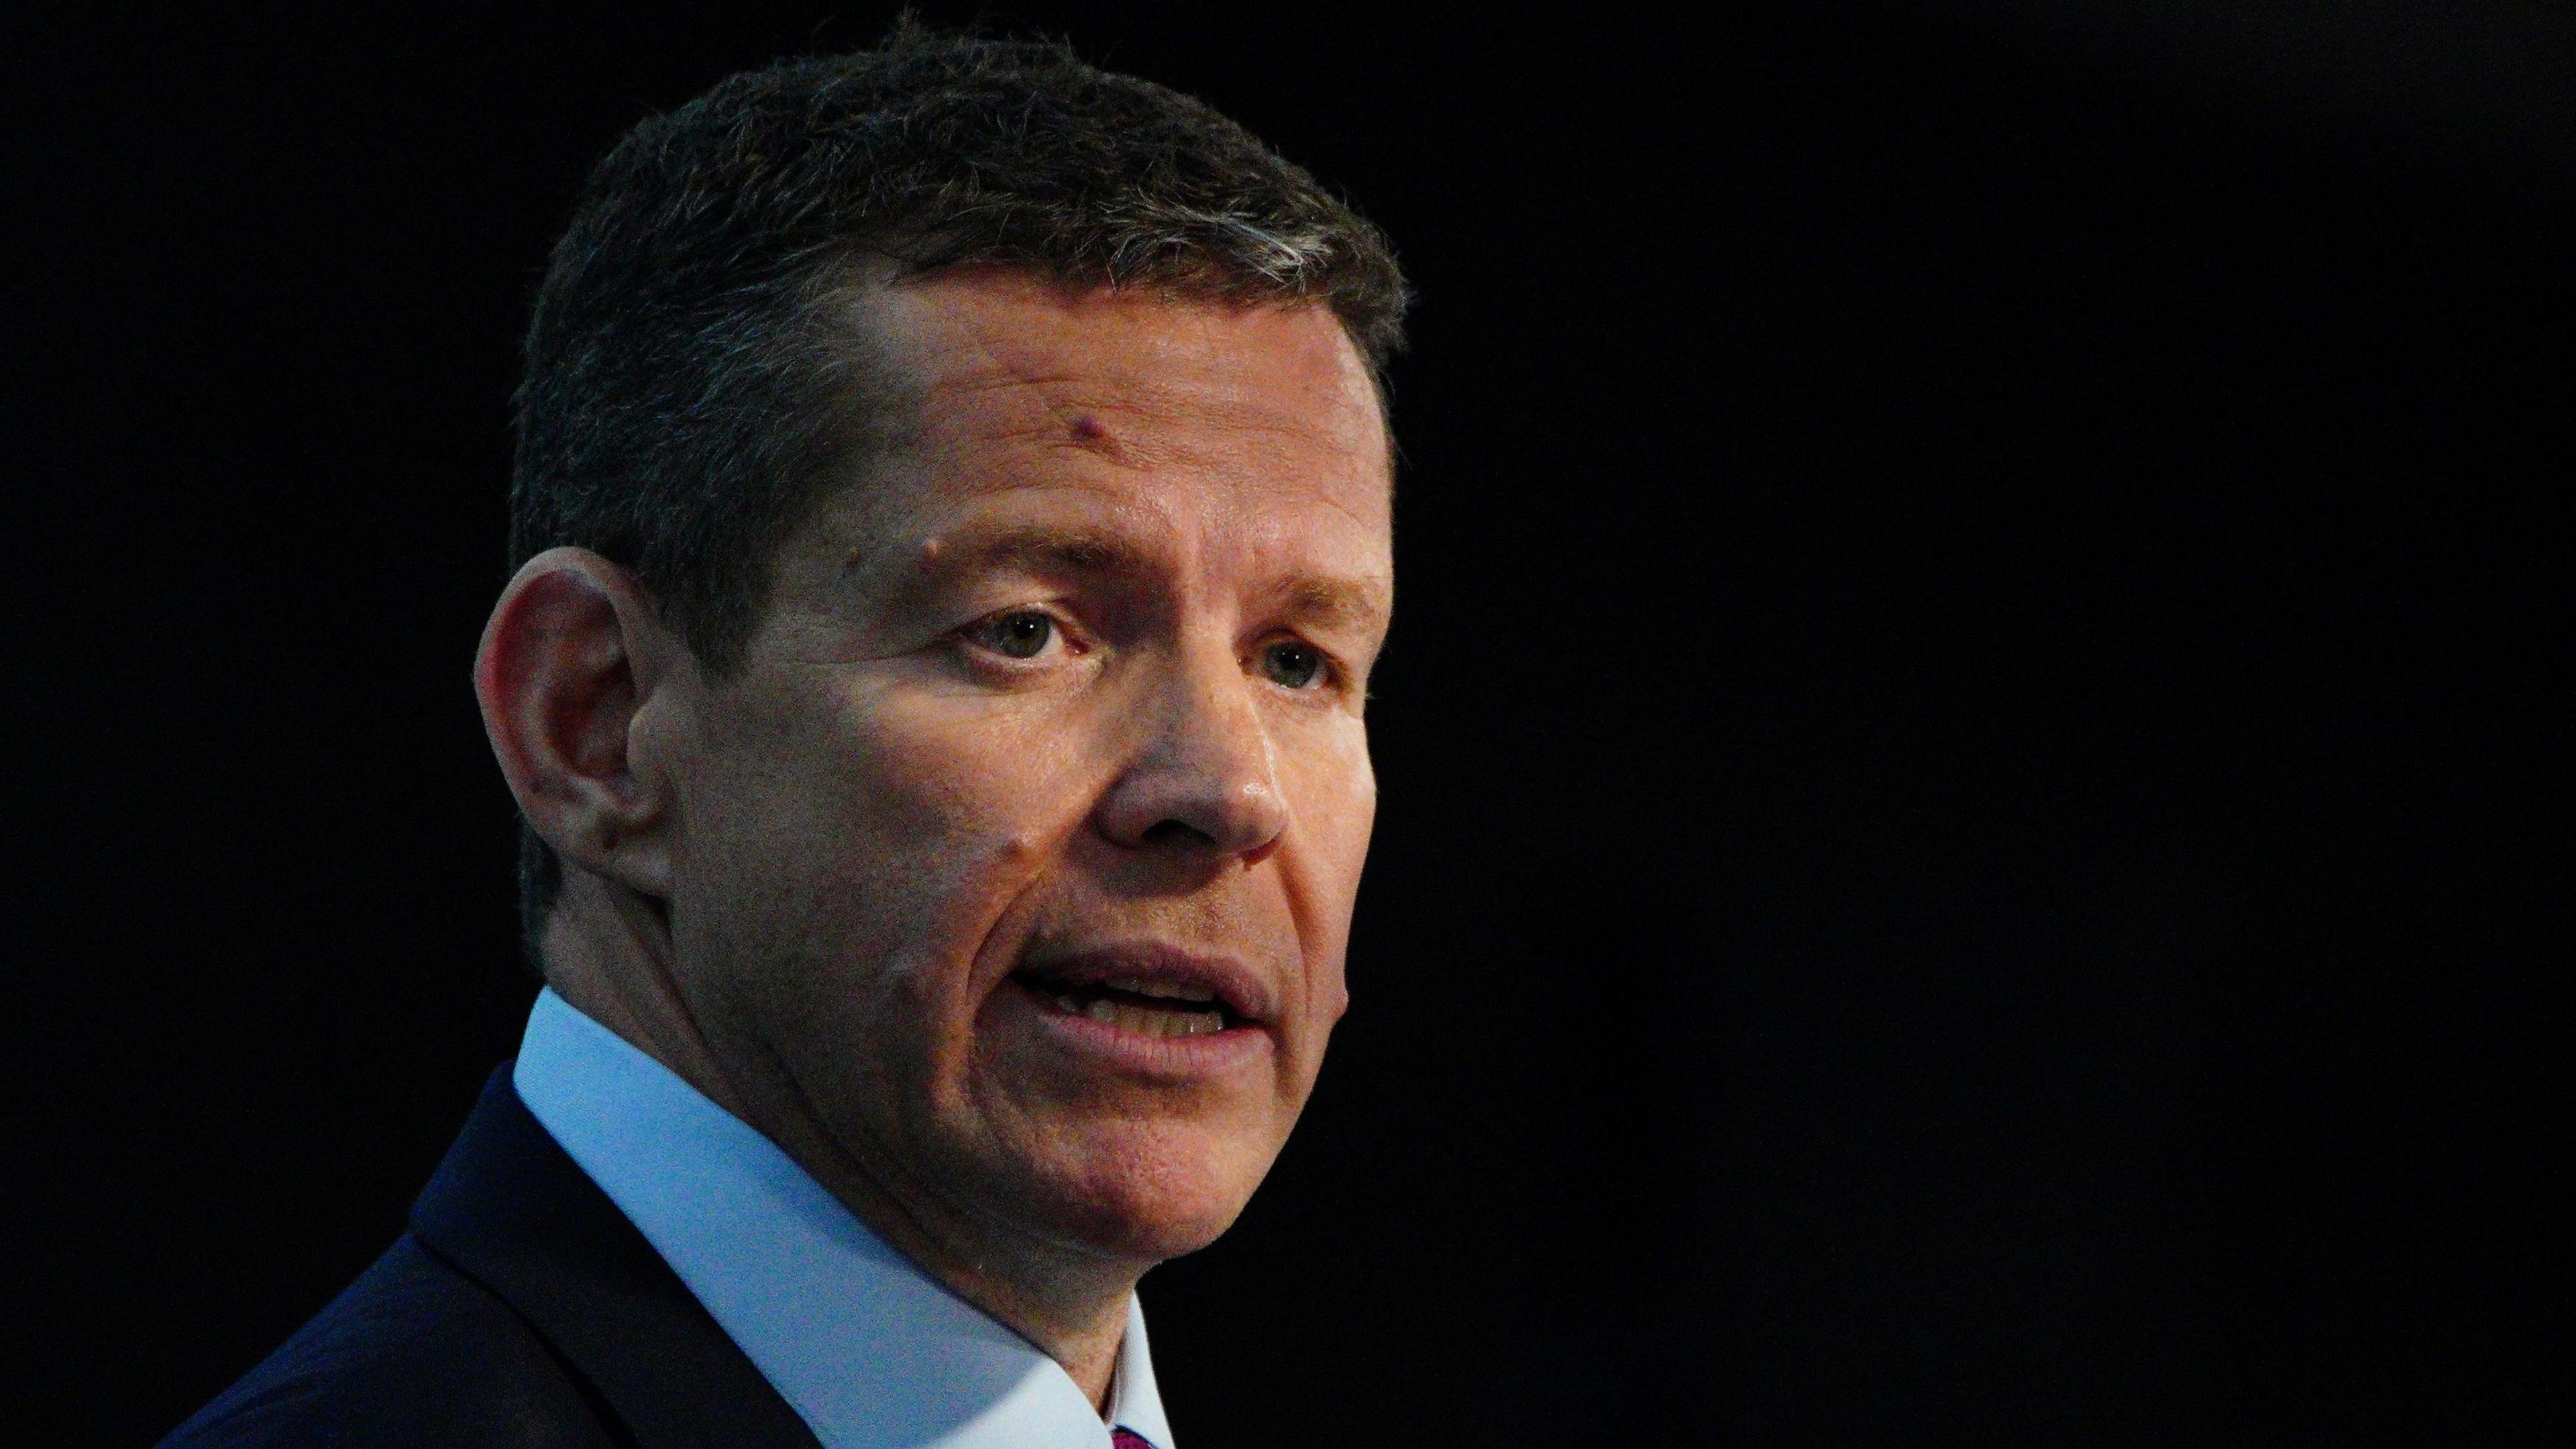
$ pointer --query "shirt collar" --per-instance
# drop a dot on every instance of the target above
(867, 1348)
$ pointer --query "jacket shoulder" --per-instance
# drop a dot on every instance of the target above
(414, 1353)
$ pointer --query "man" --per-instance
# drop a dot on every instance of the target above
(951, 514)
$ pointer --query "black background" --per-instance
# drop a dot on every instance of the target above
(1964, 853)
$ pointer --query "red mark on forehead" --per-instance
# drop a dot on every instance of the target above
(1087, 432)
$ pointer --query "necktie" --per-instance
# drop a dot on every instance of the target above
(1128, 1439)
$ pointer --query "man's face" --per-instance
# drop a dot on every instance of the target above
(1022, 848)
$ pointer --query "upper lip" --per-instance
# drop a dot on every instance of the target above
(1245, 993)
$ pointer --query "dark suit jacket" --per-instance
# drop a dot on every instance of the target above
(522, 1308)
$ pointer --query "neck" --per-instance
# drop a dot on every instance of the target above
(608, 954)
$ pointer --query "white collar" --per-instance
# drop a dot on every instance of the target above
(869, 1350)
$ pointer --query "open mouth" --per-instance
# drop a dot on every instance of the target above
(1152, 1008)
(1147, 990)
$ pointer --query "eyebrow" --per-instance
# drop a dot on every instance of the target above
(1096, 553)
(1049, 547)
(919, 571)
(1336, 602)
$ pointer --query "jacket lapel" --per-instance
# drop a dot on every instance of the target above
(509, 1209)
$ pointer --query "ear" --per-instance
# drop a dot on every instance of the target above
(573, 657)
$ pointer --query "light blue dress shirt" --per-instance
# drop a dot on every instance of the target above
(871, 1351)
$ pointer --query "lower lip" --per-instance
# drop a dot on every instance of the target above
(1171, 1058)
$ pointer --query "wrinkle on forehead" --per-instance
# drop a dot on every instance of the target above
(1146, 363)
(1238, 429)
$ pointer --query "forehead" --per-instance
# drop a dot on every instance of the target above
(1257, 418)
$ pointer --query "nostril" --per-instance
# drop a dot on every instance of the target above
(1176, 832)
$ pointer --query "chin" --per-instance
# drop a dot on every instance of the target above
(1145, 1192)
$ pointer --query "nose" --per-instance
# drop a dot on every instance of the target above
(1202, 778)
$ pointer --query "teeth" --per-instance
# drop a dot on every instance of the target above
(1148, 1020)
(1159, 989)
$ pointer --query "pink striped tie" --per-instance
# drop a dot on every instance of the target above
(1128, 1439)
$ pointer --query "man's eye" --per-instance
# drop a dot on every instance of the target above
(1292, 665)
(1021, 635)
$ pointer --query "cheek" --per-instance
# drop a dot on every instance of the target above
(868, 772)
(1334, 794)
(987, 783)
(1332, 791)
(891, 825)
(850, 854)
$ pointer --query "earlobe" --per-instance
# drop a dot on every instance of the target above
(572, 654)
